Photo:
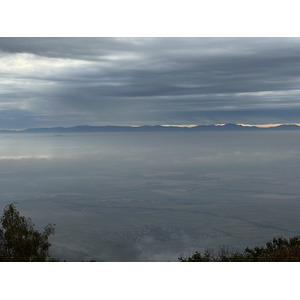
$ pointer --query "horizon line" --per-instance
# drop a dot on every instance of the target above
(269, 125)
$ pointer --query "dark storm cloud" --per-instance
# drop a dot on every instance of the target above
(66, 81)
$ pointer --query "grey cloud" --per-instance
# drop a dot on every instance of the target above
(150, 80)
(72, 48)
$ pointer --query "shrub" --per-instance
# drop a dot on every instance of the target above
(279, 250)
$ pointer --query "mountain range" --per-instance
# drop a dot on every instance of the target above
(145, 128)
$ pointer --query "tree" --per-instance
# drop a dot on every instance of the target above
(19, 241)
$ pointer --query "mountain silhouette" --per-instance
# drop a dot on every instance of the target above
(148, 128)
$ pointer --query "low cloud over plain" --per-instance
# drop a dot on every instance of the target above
(136, 81)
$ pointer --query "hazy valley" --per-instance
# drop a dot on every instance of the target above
(153, 196)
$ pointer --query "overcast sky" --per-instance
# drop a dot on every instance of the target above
(137, 81)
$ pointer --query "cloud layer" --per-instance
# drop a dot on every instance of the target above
(135, 81)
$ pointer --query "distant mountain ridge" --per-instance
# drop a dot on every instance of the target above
(145, 128)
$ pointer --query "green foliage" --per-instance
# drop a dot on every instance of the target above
(222, 255)
(279, 250)
(198, 257)
(19, 241)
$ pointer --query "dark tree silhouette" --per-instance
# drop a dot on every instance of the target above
(19, 241)
(279, 250)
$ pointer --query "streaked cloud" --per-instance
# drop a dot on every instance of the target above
(135, 81)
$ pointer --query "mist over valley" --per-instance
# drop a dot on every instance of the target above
(153, 196)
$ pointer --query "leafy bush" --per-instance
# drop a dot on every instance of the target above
(279, 250)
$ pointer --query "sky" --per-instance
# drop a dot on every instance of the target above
(47, 82)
